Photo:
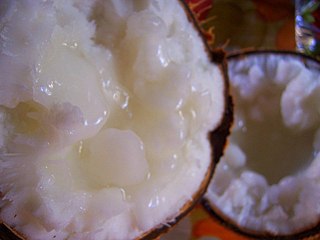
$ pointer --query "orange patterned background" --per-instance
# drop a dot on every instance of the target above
(234, 25)
(247, 23)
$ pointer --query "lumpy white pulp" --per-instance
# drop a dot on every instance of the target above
(268, 180)
(105, 107)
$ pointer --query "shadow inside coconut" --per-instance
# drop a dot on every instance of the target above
(272, 149)
(267, 183)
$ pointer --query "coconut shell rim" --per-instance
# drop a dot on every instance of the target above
(312, 232)
(218, 135)
(253, 51)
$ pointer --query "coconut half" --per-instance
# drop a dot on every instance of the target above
(106, 109)
(267, 185)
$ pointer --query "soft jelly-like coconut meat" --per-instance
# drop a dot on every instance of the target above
(105, 109)
(268, 180)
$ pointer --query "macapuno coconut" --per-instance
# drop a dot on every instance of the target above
(106, 110)
(267, 185)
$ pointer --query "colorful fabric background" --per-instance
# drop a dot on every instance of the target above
(237, 24)
(234, 25)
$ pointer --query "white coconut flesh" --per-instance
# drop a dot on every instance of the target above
(268, 181)
(105, 109)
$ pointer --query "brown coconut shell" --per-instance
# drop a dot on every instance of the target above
(311, 233)
(217, 137)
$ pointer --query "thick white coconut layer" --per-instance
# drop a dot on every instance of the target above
(105, 107)
(269, 179)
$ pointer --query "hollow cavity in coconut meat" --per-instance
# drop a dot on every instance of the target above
(105, 108)
(269, 178)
